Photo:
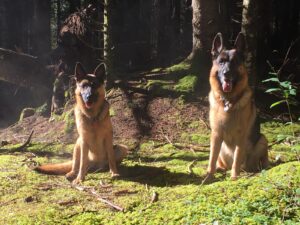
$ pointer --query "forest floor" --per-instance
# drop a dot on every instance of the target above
(163, 118)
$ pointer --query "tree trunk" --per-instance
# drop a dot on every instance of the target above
(109, 37)
(58, 18)
(74, 5)
(3, 24)
(206, 23)
(41, 27)
(255, 26)
(154, 29)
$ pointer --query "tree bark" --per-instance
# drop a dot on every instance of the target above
(41, 27)
(206, 23)
(58, 19)
(109, 53)
(74, 5)
(255, 26)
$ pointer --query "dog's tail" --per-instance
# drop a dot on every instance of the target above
(55, 169)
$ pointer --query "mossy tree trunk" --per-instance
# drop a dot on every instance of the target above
(109, 53)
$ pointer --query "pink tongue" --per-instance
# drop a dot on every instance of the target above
(88, 105)
(226, 86)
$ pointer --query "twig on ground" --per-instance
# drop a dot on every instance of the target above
(205, 124)
(168, 140)
(154, 197)
(98, 197)
(192, 147)
(196, 148)
(190, 167)
(20, 148)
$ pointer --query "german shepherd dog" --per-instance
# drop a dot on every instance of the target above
(236, 142)
(94, 148)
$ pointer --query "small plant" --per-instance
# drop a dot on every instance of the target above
(286, 91)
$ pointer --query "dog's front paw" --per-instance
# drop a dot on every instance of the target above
(233, 178)
(208, 179)
(71, 176)
(115, 175)
(77, 181)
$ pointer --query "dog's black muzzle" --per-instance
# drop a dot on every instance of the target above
(87, 95)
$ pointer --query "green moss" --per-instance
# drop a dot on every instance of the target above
(42, 109)
(181, 67)
(158, 85)
(112, 112)
(156, 70)
(186, 84)
(269, 197)
(69, 119)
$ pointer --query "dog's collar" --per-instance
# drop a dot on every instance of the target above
(102, 112)
(229, 103)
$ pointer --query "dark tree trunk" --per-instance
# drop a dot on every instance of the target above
(154, 29)
(3, 24)
(186, 30)
(255, 26)
(109, 36)
(206, 23)
(41, 27)
(58, 15)
(74, 5)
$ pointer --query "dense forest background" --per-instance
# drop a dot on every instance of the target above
(135, 35)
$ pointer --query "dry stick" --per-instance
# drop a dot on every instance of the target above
(189, 146)
(22, 146)
(98, 197)
(198, 148)
(190, 166)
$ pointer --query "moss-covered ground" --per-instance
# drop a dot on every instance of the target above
(175, 174)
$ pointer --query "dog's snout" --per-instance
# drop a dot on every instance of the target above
(86, 94)
(226, 79)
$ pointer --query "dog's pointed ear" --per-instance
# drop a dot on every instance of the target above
(80, 73)
(100, 72)
(217, 45)
(239, 43)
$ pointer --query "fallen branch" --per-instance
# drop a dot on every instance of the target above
(192, 147)
(98, 197)
(196, 148)
(20, 148)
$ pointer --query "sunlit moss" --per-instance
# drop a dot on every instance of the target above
(186, 84)
(269, 197)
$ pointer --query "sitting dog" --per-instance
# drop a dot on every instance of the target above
(236, 141)
(94, 148)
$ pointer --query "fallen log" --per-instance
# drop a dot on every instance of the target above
(24, 70)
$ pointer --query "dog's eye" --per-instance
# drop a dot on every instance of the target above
(222, 61)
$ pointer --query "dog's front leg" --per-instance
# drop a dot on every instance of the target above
(215, 146)
(111, 156)
(83, 166)
(76, 162)
(238, 159)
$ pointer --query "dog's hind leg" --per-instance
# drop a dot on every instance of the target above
(121, 152)
(258, 159)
